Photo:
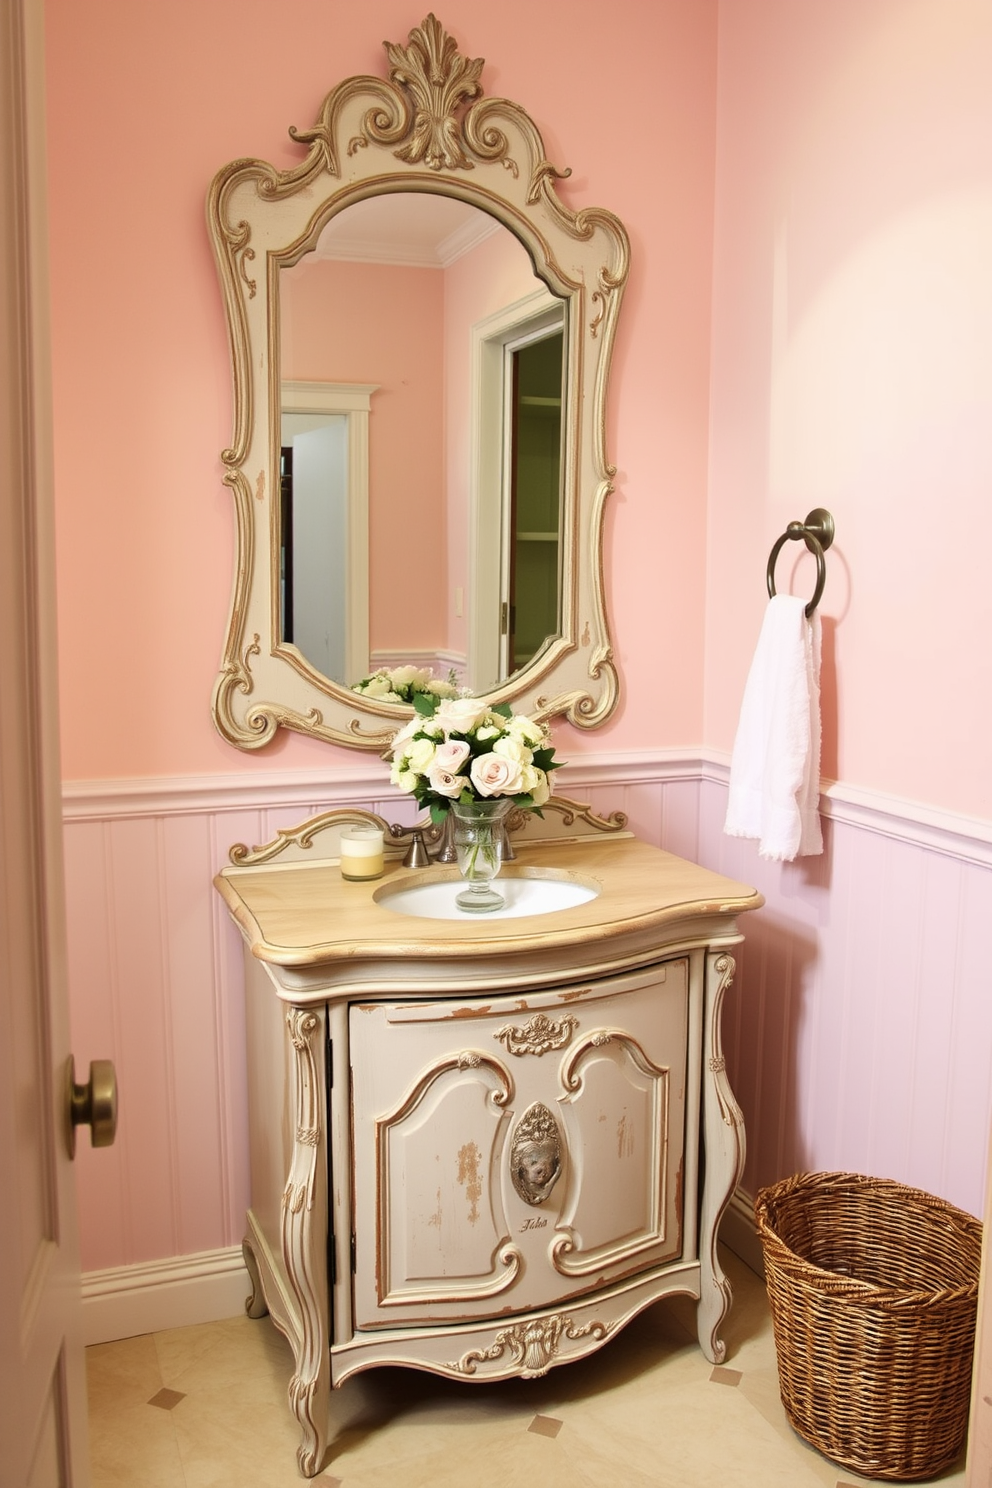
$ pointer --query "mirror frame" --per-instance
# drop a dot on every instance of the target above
(427, 128)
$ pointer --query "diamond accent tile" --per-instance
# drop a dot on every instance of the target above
(545, 1425)
(723, 1376)
(167, 1399)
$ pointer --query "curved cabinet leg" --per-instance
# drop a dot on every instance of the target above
(304, 1230)
(255, 1304)
(723, 1141)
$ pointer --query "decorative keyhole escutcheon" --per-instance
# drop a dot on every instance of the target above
(535, 1154)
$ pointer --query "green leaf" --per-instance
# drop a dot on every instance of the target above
(425, 703)
(503, 709)
(526, 800)
(438, 813)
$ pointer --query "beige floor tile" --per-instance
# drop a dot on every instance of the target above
(698, 1433)
(134, 1444)
(520, 1460)
(640, 1413)
(225, 1443)
(236, 1352)
(123, 1373)
(416, 1436)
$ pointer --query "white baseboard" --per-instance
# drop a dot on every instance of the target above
(127, 1300)
(738, 1232)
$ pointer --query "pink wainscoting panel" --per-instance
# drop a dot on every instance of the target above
(101, 1175)
(204, 1032)
(861, 1037)
(858, 1031)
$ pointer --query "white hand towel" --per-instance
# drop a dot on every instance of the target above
(775, 770)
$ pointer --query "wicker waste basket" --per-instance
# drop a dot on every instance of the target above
(873, 1289)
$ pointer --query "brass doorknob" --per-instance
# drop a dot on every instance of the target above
(93, 1104)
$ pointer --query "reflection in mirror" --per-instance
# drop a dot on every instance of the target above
(435, 306)
(470, 523)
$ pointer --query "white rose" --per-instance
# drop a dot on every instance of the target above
(409, 676)
(459, 715)
(378, 687)
(530, 777)
(494, 775)
(488, 731)
(402, 735)
(420, 755)
(451, 755)
(444, 782)
(512, 749)
(526, 730)
(441, 689)
(541, 790)
(404, 780)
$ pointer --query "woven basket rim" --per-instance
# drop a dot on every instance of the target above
(850, 1288)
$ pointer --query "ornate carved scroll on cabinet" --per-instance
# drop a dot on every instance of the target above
(481, 1148)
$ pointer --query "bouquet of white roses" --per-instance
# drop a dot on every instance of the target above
(461, 749)
(404, 683)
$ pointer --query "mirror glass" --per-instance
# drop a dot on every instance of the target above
(409, 294)
(420, 333)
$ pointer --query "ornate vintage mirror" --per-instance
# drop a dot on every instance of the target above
(420, 339)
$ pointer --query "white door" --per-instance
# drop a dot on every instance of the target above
(42, 1386)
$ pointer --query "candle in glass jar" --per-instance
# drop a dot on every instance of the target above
(361, 853)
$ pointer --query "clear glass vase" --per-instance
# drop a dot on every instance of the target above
(479, 848)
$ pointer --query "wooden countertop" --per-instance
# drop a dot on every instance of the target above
(305, 915)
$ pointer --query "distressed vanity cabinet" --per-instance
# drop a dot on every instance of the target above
(481, 1147)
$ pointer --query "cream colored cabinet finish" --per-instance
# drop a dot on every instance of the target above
(481, 1149)
(443, 1233)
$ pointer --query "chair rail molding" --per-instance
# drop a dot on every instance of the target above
(968, 838)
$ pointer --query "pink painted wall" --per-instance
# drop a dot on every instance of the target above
(142, 387)
(852, 368)
(382, 324)
(823, 338)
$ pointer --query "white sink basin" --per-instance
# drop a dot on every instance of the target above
(523, 895)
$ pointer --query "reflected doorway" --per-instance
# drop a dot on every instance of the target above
(533, 548)
(519, 365)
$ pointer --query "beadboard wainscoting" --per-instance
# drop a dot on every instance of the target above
(858, 1035)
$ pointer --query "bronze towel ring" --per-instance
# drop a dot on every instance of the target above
(817, 532)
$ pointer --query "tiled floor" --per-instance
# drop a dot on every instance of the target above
(205, 1407)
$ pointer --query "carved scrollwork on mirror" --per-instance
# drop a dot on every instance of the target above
(320, 598)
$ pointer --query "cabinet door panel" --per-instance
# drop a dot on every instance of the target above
(618, 1112)
(441, 1214)
(441, 1092)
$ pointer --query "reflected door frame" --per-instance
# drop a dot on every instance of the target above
(524, 320)
(354, 401)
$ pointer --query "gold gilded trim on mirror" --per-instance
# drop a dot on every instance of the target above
(426, 129)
